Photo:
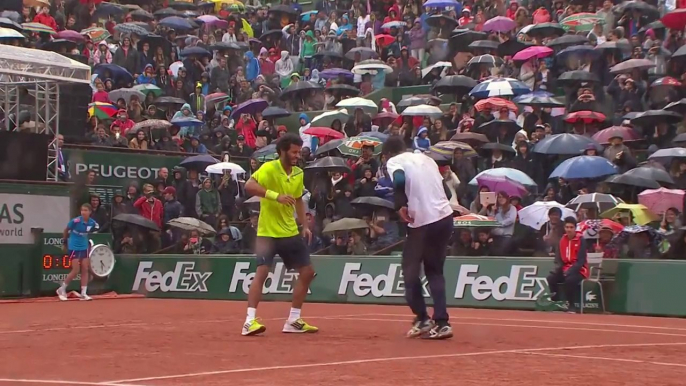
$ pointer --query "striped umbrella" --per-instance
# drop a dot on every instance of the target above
(449, 147)
(474, 221)
(499, 87)
(8, 33)
(130, 28)
(102, 110)
(38, 27)
(495, 104)
(96, 34)
(581, 22)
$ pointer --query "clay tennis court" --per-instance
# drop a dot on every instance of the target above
(194, 342)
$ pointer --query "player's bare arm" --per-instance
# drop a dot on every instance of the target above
(253, 188)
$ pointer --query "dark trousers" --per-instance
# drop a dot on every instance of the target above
(427, 245)
(570, 284)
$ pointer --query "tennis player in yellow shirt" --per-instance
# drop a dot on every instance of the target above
(280, 183)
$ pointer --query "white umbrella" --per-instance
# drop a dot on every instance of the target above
(9, 33)
(422, 111)
(361, 69)
(174, 68)
(220, 167)
(326, 119)
(536, 214)
(442, 65)
(368, 106)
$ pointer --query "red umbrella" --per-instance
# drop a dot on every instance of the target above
(495, 104)
(666, 81)
(590, 228)
(675, 20)
(70, 35)
(584, 116)
(324, 132)
(384, 40)
(627, 133)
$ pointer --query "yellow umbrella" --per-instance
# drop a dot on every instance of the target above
(642, 215)
(218, 4)
(36, 3)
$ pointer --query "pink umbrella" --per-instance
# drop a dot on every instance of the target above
(659, 200)
(537, 52)
(70, 35)
(213, 21)
(499, 24)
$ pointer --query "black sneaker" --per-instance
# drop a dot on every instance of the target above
(439, 331)
(420, 327)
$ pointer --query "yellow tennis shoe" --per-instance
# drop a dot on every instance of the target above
(299, 326)
(253, 327)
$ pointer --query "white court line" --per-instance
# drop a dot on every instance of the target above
(549, 321)
(52, 382)
(519, 326)
(594, 358)
(387, 359)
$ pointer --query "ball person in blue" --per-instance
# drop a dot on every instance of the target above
(77, 246)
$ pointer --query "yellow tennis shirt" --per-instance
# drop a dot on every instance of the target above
(277, 220)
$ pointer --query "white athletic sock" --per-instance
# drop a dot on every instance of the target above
(251, 314)
(63, 287)
(84, 290)
(294, 315)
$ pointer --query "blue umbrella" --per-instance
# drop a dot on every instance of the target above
(176, 22)
(197, 51)
(117, 73)
(444, 4)
(187, 122)
(565, 144)
(334, 73)
(499, 87)
(307, 16)
(585, 166)
(250, 107)
(580, 51)
(512, 174)
(535, 94)
(198, 162)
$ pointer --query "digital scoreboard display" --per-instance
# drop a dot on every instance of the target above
(51, 261)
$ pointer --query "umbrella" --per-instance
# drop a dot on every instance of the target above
(117, 73)
(327, 118)
(635, 181)
(577, 52)
(216, 98)
(599, 201)
(651, 118)
(536, 214)
(641, 214)
(442, 4)
(126, 94)
(675, 19)
(334, 73)
(441, 22)
(590, 228)
(546, 30)
(422, 111)
(192, 224)
(439, 65)
(384, 40)
(373, 202)
(565, 144)
(454, 84)
(190, 121)
(659, 200)
(225, 46)
(155, 41)
(195, 51)
(96, 34)
(272, 34)
(107, 10)
(324, 132)
(102, 110)
(8, 33)
(621, 46)
(581, 22)
(484, 45)
(198, 162)
(540, 101)
(666, 156)
(394, 24)
(499, 87)
(502, 184)
(131, 29)
(495, 104)
(345, 224)
(38, 27)
(461, 40)
(180, 4)
(628, 66)
(176, 22)
(135, 219)
(474, 221)
(8, 23)
(72, 36)
(329, 165)
(379, 118)
(167, 12)
(498, 146)
(443, 151)
(251, 107)
(651, 173)
(168, 101)
(213, 21)
(492, 128)
(627, 133)
(666, 81)
(353, 146)
(151, 124)
(511, 47)
(577, 76)
(298, 87)
(142, 15)
(513, 174)
(344, 90)
(284, 9)
(366, 105)
(266, 153)
(328, 147)
(533, 52)
(274, 112)
(362, 69)
(488, 60)
(585, 166)
(471, 138)
(499, 24)
(680, 138)
(584, 116)
(220, 167)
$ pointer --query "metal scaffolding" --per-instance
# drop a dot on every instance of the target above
(30, 93)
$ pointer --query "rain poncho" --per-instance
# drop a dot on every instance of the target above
(307, 139)
(185, 111)
(252, 68)
(284, 67)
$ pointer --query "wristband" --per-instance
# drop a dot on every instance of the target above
(271, 195)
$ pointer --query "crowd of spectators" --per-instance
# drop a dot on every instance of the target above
(538, 93)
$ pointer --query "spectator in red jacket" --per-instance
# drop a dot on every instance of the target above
(44, 17)
(123, 122)
(150, 207)
(571, 266)
(246, 127)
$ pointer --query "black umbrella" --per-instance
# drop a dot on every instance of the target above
(629, 65)
(546, 30)
(329, 146)
(641, 7)
(511, 47)
(600, 201)
(650, 173)
(565, 144)
(373, 202)
(460, 41)
(274, 112)
(677, 107)
(195, 51)
(484, 45)
(657, 24)
(455, 84)
(435, 21)
(135, 219)
(540, 101)
(57, 44)
(327, 54)
(296, 88)
(182, 5)
(680, 138)
(166, 12)
(577, 76)
(198, 162)
(284, 9)
(620, 46)
(225, 46)
(493, 127)
(106, 10)
(143, 15)
(329, 164)
(167, 101)
(651, 118)
(419, 100)
(633, 181)
(155, 41)
(7, 23)
(498, 146)
(273, 34)
(567, 40)
(344, 89)
(667, 155)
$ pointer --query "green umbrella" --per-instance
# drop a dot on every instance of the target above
(581, 22)
(148, 88)
(326, 119)
(474, 221)
(353, 146)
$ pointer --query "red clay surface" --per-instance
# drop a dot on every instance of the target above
(192, 342)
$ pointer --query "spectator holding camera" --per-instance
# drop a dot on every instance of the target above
(150, 207)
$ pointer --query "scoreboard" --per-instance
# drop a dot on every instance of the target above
(56, 264)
